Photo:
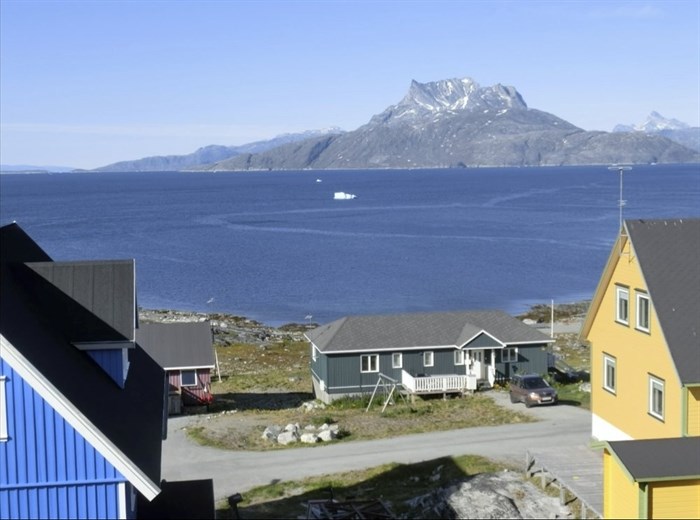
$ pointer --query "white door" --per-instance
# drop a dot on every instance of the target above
(476, 358)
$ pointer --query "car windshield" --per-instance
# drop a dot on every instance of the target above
(534, 382)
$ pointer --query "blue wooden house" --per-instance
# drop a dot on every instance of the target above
(82, 406)
(427, 353)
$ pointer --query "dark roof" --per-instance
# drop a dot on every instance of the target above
(32, 314)
(190, 499)
(659, 459)
(437, 329)
(104, 287)
(668, 252)
(178, 345)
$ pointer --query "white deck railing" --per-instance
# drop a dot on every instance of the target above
(433, 384)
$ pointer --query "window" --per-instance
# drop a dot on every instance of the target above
(643, 312)
(656, 397)
(369, 363)
(428, 359)
(3, 410)
(623, 305)
(459, 357)
(609, 373)
(396, 360)
(509, 355)
(188, 378)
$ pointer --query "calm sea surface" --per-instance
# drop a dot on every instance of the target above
(276, 247)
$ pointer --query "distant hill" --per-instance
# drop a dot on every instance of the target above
(458, 123)
(208, 154)
(673, 129)
(27, 168)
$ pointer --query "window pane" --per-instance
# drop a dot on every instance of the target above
(188, 377)
(643, 312)
(396, 360)
(623, 305)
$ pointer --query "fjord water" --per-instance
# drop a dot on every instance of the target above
(276, 246)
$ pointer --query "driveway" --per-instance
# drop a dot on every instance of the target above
(238, 471)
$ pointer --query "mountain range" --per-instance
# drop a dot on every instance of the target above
(675, 130)
(447, 124)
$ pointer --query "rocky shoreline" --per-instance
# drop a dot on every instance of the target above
(229, 329)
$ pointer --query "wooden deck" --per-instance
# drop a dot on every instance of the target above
(578, 469)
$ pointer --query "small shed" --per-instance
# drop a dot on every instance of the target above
(652, 478)
(186, 352)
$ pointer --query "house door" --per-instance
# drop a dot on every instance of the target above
(476, 361)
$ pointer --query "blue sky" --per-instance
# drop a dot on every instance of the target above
(87, 83)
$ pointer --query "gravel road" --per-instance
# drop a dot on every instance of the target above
(238, 471)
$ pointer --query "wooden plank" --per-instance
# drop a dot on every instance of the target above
(578, 468)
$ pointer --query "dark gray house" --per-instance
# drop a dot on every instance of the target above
(426, 352)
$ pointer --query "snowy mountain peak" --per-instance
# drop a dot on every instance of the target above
(655, 122)
(460, 94)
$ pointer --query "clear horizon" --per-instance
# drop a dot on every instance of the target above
(87, 83)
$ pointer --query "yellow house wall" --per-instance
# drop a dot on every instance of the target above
(637, 354)
(621, 495)
(676, 499)
(693, 411)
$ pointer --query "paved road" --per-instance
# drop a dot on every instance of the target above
(238, 471)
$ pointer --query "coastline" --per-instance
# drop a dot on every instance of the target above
(229, 328)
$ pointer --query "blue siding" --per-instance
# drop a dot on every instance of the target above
(344, 375)
(111, 361)
(47, 469)
(532, 359)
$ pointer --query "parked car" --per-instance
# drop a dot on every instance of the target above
(531, 389)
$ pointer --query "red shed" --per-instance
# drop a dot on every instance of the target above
(186, 353)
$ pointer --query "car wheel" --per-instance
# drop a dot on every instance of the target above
(513, 399)
(528, 404)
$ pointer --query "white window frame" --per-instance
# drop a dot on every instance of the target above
(512, 356)
(4, 433)
(610, 362)
(656, 385)
(622, 294)
(397, 360)
(641, 297)
(182, 382)
(428, 358)
(459, 357)
(372, 363)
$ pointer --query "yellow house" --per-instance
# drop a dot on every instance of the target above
(653, 478)
(644, 329)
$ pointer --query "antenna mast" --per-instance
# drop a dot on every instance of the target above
(621, 201)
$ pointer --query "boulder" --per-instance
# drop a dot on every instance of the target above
(271, 433)
(309, 438)
(287, 437)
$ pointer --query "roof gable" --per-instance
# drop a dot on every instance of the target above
(668, 255)
(406, 331)
(178, 345)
